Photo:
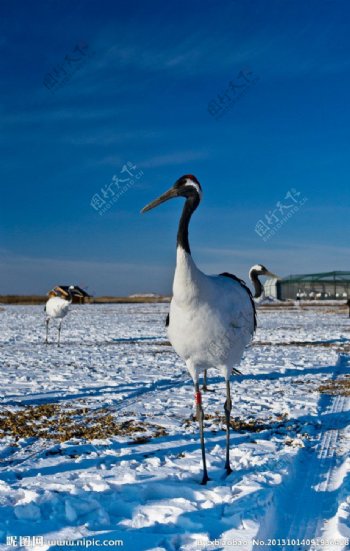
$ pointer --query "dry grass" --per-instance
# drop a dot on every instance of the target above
(278, 424)
(301, 343)
(338, 387)
(41, 299)
(52, 421)
(129, 300)
(277, 306)
(236, 424)
(250, 425)
(22, 299)
(325, 307)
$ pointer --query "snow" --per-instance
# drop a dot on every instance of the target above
(289, 448)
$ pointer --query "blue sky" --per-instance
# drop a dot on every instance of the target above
(151, 69)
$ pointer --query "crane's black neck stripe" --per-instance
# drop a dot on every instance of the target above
(244, 285)
(190, 206)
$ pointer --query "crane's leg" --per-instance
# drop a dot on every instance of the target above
(200, 417)
(205, 382)
(47, 331)
(59, 334)
(228, 408)
(205, 386)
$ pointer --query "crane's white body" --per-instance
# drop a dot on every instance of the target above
(211, 319)
(57, 307)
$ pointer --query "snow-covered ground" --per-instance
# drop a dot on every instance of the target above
(128, 476)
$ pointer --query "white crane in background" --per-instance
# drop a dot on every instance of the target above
(57, 308)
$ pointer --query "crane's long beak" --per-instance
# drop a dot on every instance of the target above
(170, 194)
(271, 274)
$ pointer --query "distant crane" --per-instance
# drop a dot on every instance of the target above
(211, 318)
(254, 273)
(57, 308)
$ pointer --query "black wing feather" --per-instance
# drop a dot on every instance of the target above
(245, 286)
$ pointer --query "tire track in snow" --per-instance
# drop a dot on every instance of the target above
(308, 498)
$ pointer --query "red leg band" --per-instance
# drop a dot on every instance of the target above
(198, 398)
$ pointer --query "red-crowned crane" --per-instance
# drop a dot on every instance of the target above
(57, 308)
(254, 273)
(212, 318)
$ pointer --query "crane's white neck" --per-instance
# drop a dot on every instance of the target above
(188, 279)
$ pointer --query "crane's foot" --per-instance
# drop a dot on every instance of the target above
(206, 389)
(228, 470)
(236, 371)
(205, 479)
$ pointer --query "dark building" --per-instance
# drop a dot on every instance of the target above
(79, 295)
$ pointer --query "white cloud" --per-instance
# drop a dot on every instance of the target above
(176, 158)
